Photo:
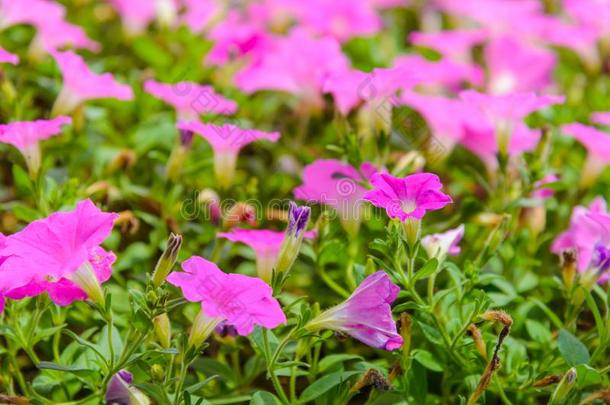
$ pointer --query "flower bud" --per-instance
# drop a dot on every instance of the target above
(298, 218)
(412, 228)
(121, 391)
(85, 278)
(167, 259)
(157, 373)
(568, 267)
(163, 330)
(240, 212)
(209, 199)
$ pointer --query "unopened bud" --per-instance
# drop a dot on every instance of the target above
(203, 327)
(498, 316)
(167, 260)
(210, 199)
(568, 267)
(412, 228)
(163, 330)
(298, 218)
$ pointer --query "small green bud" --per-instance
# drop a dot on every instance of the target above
(163, 330)
(167, 260)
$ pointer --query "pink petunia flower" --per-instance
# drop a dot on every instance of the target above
(241, 301)
(226, 141)
(25, 136)
(191, 99)
(138, 14)
(298, 64)
(265, 243)
(407, 198)
(597, 144)
(61, 255)
(366, 315)
(32, 12)
(440, 245)
(7, 57)
(81, 84)
(341, 19)
(56, 34)
(200, 13)
(338, 185)
(455, 45)
(584, 232)
(497, 120)
(515, 66)
(601, 118)
(592, 13)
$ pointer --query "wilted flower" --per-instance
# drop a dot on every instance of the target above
(121, 392)
(191, 99)
(227, 141)
(239, 300)
(7, 57)
(338, 185)
(81, 84)
(265, 243)
(298, 218)
(25, 136)
(439, 245)
(366, 315)
(61, 255)
(597, 144)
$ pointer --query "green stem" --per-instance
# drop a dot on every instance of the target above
(271, 365)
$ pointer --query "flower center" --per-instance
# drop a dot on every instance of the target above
(408, 206)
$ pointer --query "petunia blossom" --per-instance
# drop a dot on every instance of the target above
(587, 228)
(7, 57)
(298, 63)
(339, 185)
(121, 390)
(138, 14)
(56, 34)
(499, 118)
(516, 67)
(241, 301)
(407, 198)
(266, 245)
(439, 245)
(601, 118)
(597, 143)
(455, 45)
(226, 141)
(341, 19)
(199, 14)
(61, 255)
(191, 99)
(32, 12)
(81, 84)
(366, 315)
(25, 136)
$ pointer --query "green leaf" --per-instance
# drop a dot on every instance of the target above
(428, 269)
(264, 398)
(96, 349)
(587, 376)
(325, 384)
(573, 350)
(329, 361)
(537, 331)
(23, 183)
(427, 359)
(76, 370)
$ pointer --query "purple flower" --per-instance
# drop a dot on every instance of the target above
(407, 198)
(121, 392)
(601, 258)
(298, 217)
(366, 315)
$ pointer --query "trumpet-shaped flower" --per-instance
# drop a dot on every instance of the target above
(191, 99)
(499, 118)
(266, 244)
(121, 390)
(138, 14)
(436, 75)
(298, 63)
(338, 185)
(440, 245)
(81, 84)
(226, 141)
(241, 301)
(341, 19)
(583, 233)
(515, 66)
(56, 34)
(200, 13)
(597, 144)
(25, 136)
(7, 57)
(33, 12)
(366, 315)
(601, 118)
(407, 198)
(60, 254)
(455, 44)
